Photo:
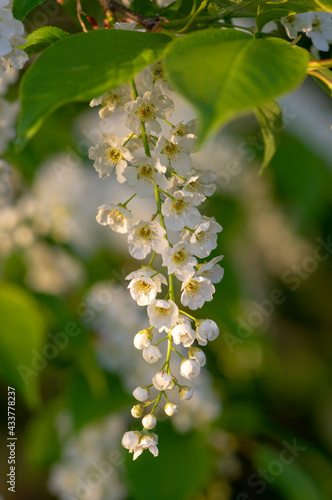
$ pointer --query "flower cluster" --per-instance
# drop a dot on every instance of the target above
(316, 25)
(177, 235)
(11, 31)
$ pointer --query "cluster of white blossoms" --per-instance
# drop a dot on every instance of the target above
(11, 31)
(177, 235)
(316, 25)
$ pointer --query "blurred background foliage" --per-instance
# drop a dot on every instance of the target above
(62, 281)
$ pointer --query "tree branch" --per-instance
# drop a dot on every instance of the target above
(148, 23)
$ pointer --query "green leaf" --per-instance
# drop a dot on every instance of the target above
(22, 7)
(224, 73)
(272, 10)
(325, 4)
(21, 337)
(40, 39)
(81, 67)
(269, 117)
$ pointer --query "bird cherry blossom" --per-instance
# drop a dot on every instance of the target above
(172, 240)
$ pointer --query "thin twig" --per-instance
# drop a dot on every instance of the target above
(79, 15)
(148, 23)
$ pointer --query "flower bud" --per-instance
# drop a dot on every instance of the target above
(189, 368)
(149, 421)
(137, 411)
(143, 338)
(141, 393)
(162, 381)
(198, 355)
(185, 392)
(171, 409)
(131, 439)
(151, 354)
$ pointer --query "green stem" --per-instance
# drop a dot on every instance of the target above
(158, 203)
(152, 258)
(162, 191)
(169, 352)
(124, 205)
(145, 140)
(162, 340)
(128, 139)
(177, 352)
(171, 287)
(149, 403)
(194, 16)
(168, 123)
(189, 315)
(156, 403)
(324, 63)
(158, 272)
(179, 176)
(133, 84)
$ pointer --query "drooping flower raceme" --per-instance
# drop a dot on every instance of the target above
(177, 235)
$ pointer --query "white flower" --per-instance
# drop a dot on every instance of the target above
(316, 25)
(131, 439)
(155, 75)
(206, 330)
(198, 355)
(151, 354)
(108, 155)
(147, 109)
(137, 411)
(171, 409)
(180, 210)
(144, 237)
(112, 99)
(149, 421)
(183, 334)
(142, 173)
(196, 291)
(204, 238)
(295, 23)
(143, 339)
(185, 392)
(211, 270)
(189, 368)
(10, 37)
(174, 154)
(118, 218)
(144, 285)
(163, 314)
(144, 288)
(148, 442)
(179, 261)
(163, 381)
(185, 130)
(201, 183)
(321, 31)
(141, 393)
(135, 442)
